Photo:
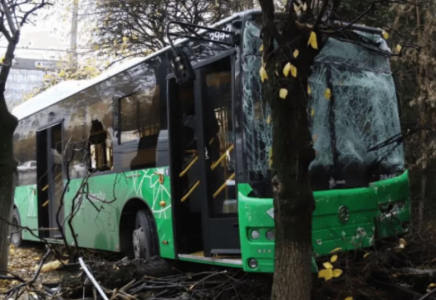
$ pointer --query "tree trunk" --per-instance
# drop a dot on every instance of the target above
(421, 204)
(7, 167)
(292, 151)
(293, 201)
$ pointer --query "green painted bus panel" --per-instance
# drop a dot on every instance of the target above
(26, 202)
(96, 222)
(377, 211)
(99, 229)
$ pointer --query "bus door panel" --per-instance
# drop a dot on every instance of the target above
(216, 151)
(50, 179)
(185, 170)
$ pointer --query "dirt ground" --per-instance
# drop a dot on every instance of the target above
(23, 261)
(378, 273)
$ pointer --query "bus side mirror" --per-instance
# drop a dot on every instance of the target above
(182, 66)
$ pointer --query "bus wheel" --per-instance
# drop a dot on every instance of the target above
(142, 236)
(16, 236)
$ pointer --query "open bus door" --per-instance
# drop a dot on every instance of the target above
(202, 163)
(50, 179)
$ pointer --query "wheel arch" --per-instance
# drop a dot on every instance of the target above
(127, 225)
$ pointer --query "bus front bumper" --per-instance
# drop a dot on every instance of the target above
(343, 220)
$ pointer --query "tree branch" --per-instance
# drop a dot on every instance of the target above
(8, 15)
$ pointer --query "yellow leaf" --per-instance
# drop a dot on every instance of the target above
(286, 69)
(385, 35)
(313, 42)
(62, 73)
(431, 285)
(296, 8)
(312, 112)
(349, 298)
(399, 48)
(268, 120)
(270, 157)
(294, 71)
(263, 74)
(328, 94)
(305, 6)
(125, 39)
(327, 274)
(309, 90)
(334, 258)
(366, 255)
(327, 265)
(283, 93)
(290, 68)
(261, 48)
(337, 273)
(296, 53)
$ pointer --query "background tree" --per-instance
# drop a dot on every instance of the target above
(137, 27)
(13, 15)
(415, 75)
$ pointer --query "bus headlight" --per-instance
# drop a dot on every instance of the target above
(270, 235)
(255, 234)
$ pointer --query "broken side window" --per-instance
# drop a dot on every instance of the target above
(100, 153)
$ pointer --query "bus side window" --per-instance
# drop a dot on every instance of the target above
(139, 126)
(100, 151)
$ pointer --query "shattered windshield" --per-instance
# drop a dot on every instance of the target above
(361, 113)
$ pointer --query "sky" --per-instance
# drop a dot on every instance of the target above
(48, 37)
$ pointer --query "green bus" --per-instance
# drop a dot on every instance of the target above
(134, 161)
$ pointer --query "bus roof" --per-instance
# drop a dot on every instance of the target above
(67, 89)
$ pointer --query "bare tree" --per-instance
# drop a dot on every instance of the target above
(137, 27)
(13, 15)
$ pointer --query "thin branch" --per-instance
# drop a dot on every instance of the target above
(8, 15)
(321, 14)
(5, 32)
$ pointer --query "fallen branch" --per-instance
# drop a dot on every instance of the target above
(94, 282)
(413, 272)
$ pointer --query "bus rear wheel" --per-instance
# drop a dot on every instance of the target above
(16, 236)
(142, 244)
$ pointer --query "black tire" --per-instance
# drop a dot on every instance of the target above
(16, 232)
(143, 246)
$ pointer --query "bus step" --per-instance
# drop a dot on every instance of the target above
(199, 256)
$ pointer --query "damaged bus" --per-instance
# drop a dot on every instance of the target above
(134, 162)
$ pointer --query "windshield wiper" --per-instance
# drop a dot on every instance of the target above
(397, 139)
